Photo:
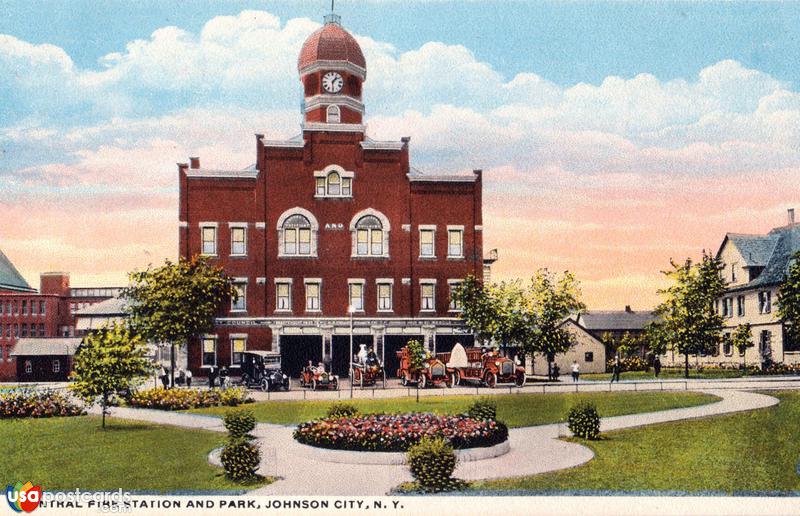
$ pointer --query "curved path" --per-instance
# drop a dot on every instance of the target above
(535, 449)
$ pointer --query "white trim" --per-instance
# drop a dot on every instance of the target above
(334, 168)
(378, 284)
(405, 281)
(406, 228)
(326, 100)
(238, 225)
(357, 281)
(328, 64)
(337, 128)
(460, 230)
(261, 225)
(415, 178)
(208, 224)
(284, 280)
(183, 224)
(427, 281)
(200, 173)
(297, 210)
(314, 233)
(240, 280)
(239, 335)
(375, 213)
(427, 226)
(312, 280)
(261, 280)
(455, 228)
(454, 281)
(384, 280)
(284, 144)
(382, 145)
(478, 228)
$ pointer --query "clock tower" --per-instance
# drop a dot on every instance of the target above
(332, 70)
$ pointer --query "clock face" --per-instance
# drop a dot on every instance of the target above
(332, 82)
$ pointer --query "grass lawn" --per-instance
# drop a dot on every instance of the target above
(515, 409)
(750, 451)
(65, 453)
(667, 374)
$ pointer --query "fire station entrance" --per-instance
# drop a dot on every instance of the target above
(392, 344)
(340, 364)
(445, 343)
(297, 350)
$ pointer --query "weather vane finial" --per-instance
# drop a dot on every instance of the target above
(333, 17)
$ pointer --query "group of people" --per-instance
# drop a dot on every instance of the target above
(616, 370)
(184, 377)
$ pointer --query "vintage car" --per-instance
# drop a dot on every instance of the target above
(433, 371)
(483, 367)
(368, 373)
(262, 369)
(316, 379)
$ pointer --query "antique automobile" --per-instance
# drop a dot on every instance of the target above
(368, 372)
(262, 369)
(317, 378)
(432, 371)
(481, 366)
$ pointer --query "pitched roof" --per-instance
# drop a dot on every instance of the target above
(10, 278)
(787, 242)
(111, 306)
(46, 346)
(755, 249)
(614, 320)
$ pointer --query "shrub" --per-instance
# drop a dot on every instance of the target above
(182, 399)
(240, 459)
(339, 409)
(239, 423)
(29, 403)
(432, 462)
(583, 421)
(483, 408)
(634, 363)
(398, 432)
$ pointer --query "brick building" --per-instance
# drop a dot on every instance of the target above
(38, 316)
(328, 220)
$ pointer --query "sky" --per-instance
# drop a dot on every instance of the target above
(614, 136)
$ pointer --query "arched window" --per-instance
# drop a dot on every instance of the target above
(334, 115)
(334, 181)
(297, 233)
(370, 234)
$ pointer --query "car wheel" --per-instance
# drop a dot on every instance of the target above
(456, 378)
(287, 384)
(448, 381)
(335, 384)
(264, 385)
(404, 381)
(423, 381)
(383, 376)
(491, 380)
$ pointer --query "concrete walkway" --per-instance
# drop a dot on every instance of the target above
(536, 449)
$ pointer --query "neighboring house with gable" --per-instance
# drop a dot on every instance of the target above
(755, 267)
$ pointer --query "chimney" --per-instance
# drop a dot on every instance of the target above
(628, 309)
(791, 216)
(54, 283)
(194, 162)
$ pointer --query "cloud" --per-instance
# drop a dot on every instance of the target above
(609, 179)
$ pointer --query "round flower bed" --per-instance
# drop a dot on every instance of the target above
(398, 432)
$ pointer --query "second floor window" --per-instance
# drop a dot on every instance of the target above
(426, 247)
(312, 297)
(238, 241)
(384, 296)
(336, 183)
(764, 302)
(283, 292)
(454, 302)
(24, 307)
(427, 291)
(357, 297)
(297, 236)
(239, 304)
(208, 235)
(727, 307)
(41, 307)
(740, 306)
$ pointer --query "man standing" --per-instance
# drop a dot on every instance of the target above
(657, 366)
(212, 376)
(576, 371)
(616, 369)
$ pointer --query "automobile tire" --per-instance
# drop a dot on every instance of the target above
(287, 385)
(404, 381)
(383, 376)
(520, 380)
(265, 385)
(491, 380)
(423, 381)
(335, 384)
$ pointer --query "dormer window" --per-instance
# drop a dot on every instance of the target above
(334, 181)
(334, 115)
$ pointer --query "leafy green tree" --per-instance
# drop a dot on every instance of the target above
(689, 320)
(479, 309)
(551, 298)
(176, 302)
(514, 317)
(656, 338)
(741, 339)
(109, 361)
(789, 300)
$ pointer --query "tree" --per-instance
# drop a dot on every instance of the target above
(551, 298)
(656, 338)
(789, 301)
(177, 301)
(741, 339)
(479, 309)
(109, 361)
(688, 319)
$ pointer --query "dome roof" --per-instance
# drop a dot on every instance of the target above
(331, 43)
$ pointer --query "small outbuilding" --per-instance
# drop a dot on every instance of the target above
(588, 351)
(45, 359)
